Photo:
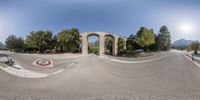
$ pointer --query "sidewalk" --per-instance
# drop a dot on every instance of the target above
(189, 54)
(196, 58)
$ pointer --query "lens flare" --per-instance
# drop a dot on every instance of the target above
(187, 28)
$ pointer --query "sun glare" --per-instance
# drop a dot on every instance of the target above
(186, 28)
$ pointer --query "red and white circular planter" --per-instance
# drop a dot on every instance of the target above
(43, 63)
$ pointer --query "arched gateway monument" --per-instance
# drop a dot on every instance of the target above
(101, 36)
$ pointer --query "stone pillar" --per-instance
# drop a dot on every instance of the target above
(84, 44)
(115, 45)
(101, 44)
(125, 44)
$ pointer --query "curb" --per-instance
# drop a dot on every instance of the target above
(194, 60)
(137, 62)
(19, 71)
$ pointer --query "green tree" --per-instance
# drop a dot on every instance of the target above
(69, 39)
(55, 43)
(62, 39)
(40, 40)
(14, 43)
(145, 37)
(108, 45)
(131, 43)
(121, 44)
(164, 39)
(74, 41)
(154, 47)
(20, 44)
(93, 47)
(194, 46)
(11, 42)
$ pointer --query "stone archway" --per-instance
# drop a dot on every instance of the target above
(114, 44)
(101, 36)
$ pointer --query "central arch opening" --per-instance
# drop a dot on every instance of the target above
(93, 44)
(109, 44)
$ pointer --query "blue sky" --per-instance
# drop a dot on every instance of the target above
(122, 17)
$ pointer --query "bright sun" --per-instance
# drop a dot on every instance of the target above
(186, 28)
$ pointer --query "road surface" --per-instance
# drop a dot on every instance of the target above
(172, 77)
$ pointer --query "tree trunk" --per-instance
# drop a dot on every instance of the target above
(147, 49)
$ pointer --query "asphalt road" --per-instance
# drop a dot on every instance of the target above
(173, 77)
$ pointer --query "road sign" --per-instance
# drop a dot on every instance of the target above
(43, 63)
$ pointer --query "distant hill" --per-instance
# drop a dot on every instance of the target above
(2, 46)
(182, 43)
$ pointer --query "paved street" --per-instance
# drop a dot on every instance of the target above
(169, 76)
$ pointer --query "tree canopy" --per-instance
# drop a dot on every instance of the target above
(69, 39)
(108, 45)
(145, 37)
(121, 44)
(14, 43)
(40, 40)
(93, 47)
(131, 43)
(195, 46)
(164, 39)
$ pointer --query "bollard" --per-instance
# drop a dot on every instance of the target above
(192, 57)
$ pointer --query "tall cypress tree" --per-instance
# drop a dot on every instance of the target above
(164, 38)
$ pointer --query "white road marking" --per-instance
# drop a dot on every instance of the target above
(192, 61)
(56, 72)
(106, 58)
(70, 65)
(61, 70)
(123, 61)
(19, 71)
(23, 72)
(17, 66)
